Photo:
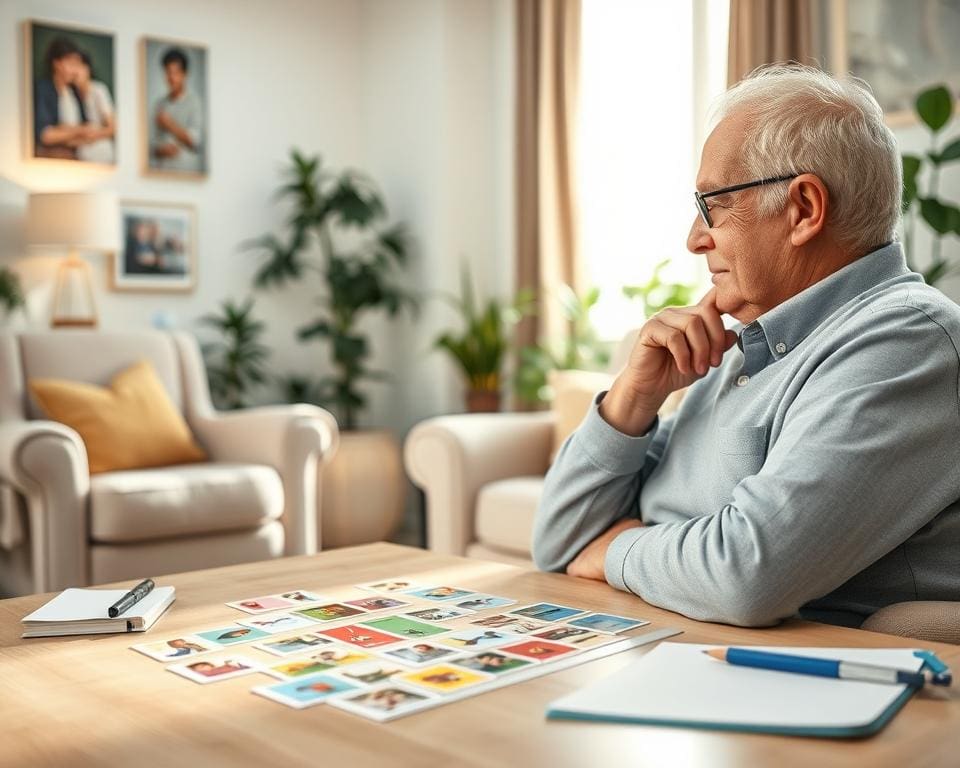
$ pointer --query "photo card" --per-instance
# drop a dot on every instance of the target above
(175, 648)
(548, 612)
(362, 636)
(275, 623)
(232, 635)
(440, 594)
(438, 614)
(382, 702)
(404, 627)
(538, 650)
(287, 646)
(606, 622)
(329, 612)
(444, 678)
(214, 669)
(388, 586)
(493, 662)
(306, 691)
(419, 654)
(263, 604)
(371, 672)
(470, 639)
(377, 603)
(480, 602)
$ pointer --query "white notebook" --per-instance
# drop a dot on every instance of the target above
(84, 612)
(676, 684)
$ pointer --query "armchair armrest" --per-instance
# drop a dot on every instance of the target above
(292, 439)
(47, 463)
(452, 457)
(931, 620)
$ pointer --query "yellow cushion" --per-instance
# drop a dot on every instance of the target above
(130, 425)
(573, 393)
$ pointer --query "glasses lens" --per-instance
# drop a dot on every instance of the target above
(702, 209)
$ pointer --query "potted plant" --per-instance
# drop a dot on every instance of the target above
(480, 349)
(580, 349)
(934, 107)
(11, 292)
(340, 217)
(237, 362)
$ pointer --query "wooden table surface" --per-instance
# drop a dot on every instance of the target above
(90, 701)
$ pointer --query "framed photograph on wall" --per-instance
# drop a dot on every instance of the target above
(70, 92)
(158, 247)
(175, 111)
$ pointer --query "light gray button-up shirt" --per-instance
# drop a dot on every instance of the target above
(816, 470)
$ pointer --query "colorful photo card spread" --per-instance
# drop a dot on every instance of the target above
(401, 647)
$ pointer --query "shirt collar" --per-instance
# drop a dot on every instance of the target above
(789, 323)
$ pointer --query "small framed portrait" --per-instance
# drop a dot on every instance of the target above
(158, 248)
(175, 115)
(70, 93)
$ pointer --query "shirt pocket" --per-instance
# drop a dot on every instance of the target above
(743, 450)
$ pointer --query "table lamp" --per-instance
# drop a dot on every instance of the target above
(76, 222)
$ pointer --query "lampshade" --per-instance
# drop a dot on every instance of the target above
(84, 221)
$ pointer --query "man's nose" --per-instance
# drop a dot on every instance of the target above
(699, 239)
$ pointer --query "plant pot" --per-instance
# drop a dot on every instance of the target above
(361, 490)
(483, 401)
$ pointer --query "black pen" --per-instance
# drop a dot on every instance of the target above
(130, 599)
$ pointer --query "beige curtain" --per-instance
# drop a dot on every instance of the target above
(768, 31)
(548, 64)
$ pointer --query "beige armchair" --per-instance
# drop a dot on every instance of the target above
(255, 499)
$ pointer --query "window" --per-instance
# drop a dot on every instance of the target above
(648, 73)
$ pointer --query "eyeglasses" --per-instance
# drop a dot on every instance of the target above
(701, 198)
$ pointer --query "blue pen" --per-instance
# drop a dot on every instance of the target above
(807, 665)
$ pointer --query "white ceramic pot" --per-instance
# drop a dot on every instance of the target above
(362, 490)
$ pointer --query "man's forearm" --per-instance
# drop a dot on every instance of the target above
(594, 481)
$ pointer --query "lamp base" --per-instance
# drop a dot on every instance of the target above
(73, 302)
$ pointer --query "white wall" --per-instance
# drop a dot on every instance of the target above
(437, 121)
(415, 92)
(282, 74)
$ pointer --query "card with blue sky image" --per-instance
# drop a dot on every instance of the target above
(286, 646)
(606, 622)
(441, 594)
(481, 602)
(232, 634)
(549, 612)
(305, 691)
(383, 701)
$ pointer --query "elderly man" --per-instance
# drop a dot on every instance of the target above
(814, 464)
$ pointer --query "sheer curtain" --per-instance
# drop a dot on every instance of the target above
(648, 72)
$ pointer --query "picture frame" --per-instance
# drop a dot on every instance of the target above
(70, 94)
(899, 49)
(158, 248)
(174, 108)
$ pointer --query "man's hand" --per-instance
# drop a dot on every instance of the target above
(589, 563)
(675, 348)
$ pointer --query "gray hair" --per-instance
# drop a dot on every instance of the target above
(803, 120)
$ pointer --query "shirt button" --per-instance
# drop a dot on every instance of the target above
(781, 348)
(742, 381)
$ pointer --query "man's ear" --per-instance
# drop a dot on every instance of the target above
(807, 204)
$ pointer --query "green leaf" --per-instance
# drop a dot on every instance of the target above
(911, 167)
(951, 151)
(942, 217)
(934, 106)
(934, 273)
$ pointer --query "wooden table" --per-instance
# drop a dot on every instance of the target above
(92, 702)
